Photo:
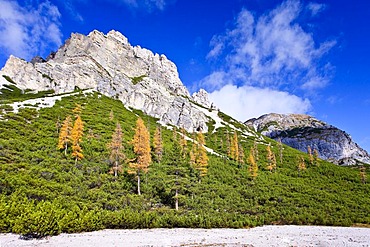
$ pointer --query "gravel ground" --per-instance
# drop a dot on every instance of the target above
(259, 236)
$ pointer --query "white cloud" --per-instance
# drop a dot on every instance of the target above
(316, 8)
(247, 102)
(270, 50)
(268, 63)
(26, 31)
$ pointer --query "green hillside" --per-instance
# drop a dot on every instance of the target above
(44, 192)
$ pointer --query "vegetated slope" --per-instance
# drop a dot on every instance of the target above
(44, 192)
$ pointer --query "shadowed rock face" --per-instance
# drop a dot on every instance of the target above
(108, 64)
(300, 131)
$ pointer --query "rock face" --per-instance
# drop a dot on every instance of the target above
(202, 98)
(111, 66)
(300, 131)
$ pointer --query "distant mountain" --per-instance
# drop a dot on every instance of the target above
(108, 64)
(300, 131)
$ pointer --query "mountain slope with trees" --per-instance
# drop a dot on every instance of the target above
(242, 180)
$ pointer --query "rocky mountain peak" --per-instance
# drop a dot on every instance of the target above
(109, 64)
(202, 98)
(303, 131)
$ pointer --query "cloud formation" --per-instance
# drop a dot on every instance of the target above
(26, 31)
(248, 102)
(270, 53)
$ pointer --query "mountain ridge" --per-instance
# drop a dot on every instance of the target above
(301, 131)
(108, 64)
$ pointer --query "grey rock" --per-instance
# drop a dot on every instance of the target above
(300, 131)
(108, 64)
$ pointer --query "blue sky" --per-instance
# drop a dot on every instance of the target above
(253, 56)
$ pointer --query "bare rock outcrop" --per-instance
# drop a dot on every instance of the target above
(108, 64)
(300, 131)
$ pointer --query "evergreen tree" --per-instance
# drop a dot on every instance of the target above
(157, 144)
(177, 172)
(255, 151)
(143, 159)
(253, 167)
(183, 143)
(76, 137)
(228, 144)
(234, 152)
(65, 134)
(116, 149)
(271, 159)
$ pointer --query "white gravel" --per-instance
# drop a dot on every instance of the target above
(259, 236)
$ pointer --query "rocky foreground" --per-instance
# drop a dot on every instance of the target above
(259, 236)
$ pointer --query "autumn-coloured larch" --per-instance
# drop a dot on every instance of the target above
(271, 159)
(76, 138)
(65, 134)
(253, 167)
(141, 143)
(116, 150)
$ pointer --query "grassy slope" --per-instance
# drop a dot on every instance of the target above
(43, 192)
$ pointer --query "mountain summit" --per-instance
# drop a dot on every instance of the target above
(303, 131)
(108, 64)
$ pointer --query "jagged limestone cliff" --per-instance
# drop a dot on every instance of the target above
(300, 131)
(110, 65)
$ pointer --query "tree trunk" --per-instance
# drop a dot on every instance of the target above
(115, 168)
(65, 150)
(138, 184)
(177, 199)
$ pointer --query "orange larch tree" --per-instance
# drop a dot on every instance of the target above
(271, 159)
(253, 167)
(65, 134)
(143, 159)
(76, 138)
(201, 158)
(116, 149)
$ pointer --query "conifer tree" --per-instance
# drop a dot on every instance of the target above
(310, 156)
(111, 115)
(141, 144)
(255, 151)
(157, 144)
(183, 143)
(234, 152)
(177, 171)
(271, 159)
(363, 174)
(228, 144)
(65, 134)
(116, 149)
(301, 165)
(77, 110)
(253, 167)
(241, 155)
(76, 137)
(200, 158)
